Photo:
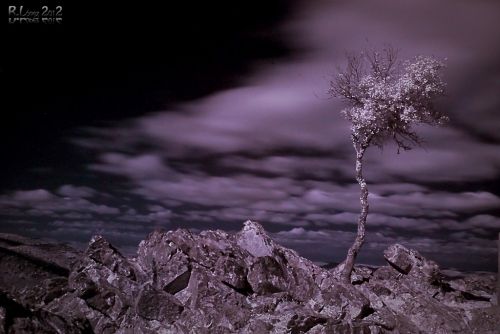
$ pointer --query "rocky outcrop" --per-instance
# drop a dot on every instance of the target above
(215, 282)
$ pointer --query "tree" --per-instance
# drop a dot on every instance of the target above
(384, 100)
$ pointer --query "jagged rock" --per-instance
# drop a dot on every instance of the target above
(234, 273)
(102, 252)
(17, 318)
(358, 327)
(485, 320)
(341, 301)
(215, 282)
(157, 305)
(28, 274)
(267, 276)
(361, 274)
(400, 258)
(104, 279)
(409, 261)
(302, 274)
(385, 273)
(412, 289)
(301, 324)
(179, 283)
(3, 314)
(217, 302)
(161, 259)
(254, 239)
(257, 326)
(77, 310)
(475, 288)
(58, 258)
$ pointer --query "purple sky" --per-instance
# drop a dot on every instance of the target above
(271, 146)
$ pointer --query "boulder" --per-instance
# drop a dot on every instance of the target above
(254, 239)
(267, 275)
(161, 259)
(400, 258)
(102, 252)
(157, 305)
(409, 261)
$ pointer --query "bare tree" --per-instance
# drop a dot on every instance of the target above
(385, 99)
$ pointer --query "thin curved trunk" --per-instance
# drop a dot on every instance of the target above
(360, 236)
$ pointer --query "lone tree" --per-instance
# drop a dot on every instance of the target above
(385, 99)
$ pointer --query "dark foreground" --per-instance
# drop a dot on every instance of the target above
(214, 282)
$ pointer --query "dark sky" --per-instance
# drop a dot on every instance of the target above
(201, 115)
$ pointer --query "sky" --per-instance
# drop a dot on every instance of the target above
(122, 120)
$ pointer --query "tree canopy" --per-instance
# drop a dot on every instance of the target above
(385, 98)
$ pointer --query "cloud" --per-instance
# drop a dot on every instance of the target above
(41, 202)
(270, 118)
(136, 167)
(303, 235)
(290, 165)
(483, 221)
(32, 196)
(448, 155)
(435, 201)
(73, 191)
(214, 190)
(275, 148)
(243, 195)
(157, 215)
(464, 250)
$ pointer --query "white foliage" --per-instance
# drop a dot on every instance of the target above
(385, 102)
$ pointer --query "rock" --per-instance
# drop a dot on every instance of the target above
(102, 273)
(385, 273)
(179, 283)
(361, 275)
(234, 273)
(102, 252)
(267, 276)
(16, 318)
(254, 239)
(301, 324)
(161, 259)
(341, 301)
(77, 310)
(303, 275)
(409, 261)
(358, 327)
(400, 258)
(57, 257)
(215, 282)
(217, 302)
(3, 315)
(258, 326)
(157, 305)
(485, 320)
(33, 272)
(412, 289)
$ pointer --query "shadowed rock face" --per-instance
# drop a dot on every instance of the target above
(214, 282)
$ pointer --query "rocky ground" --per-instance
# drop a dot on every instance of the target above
(214, 282)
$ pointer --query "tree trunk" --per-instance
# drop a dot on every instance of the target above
(360, 236)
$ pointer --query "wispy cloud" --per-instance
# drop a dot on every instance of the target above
(44, 203)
